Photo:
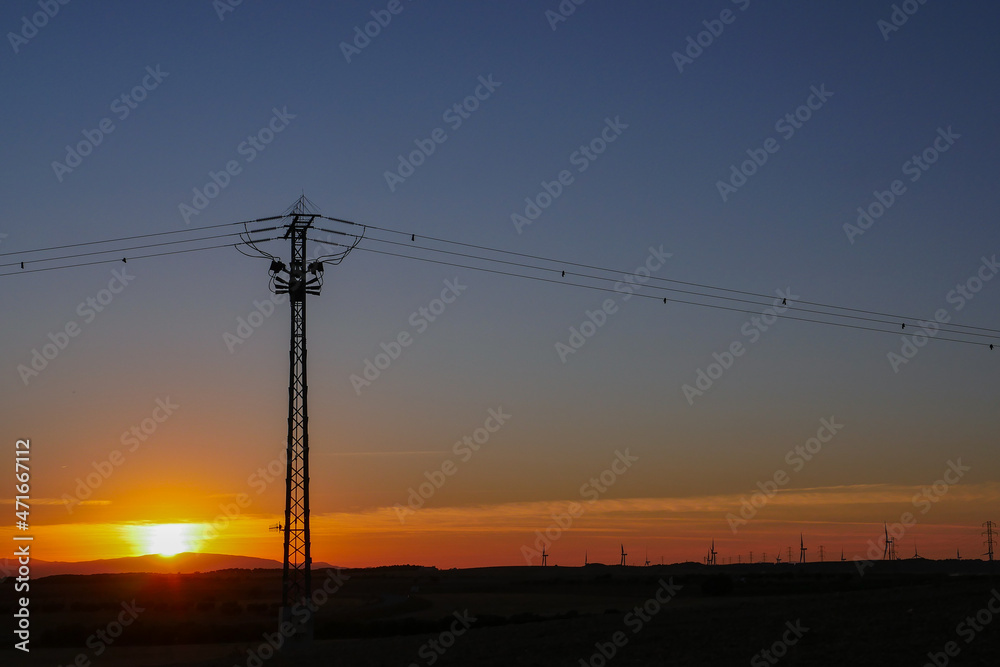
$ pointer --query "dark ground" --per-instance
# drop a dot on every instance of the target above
(725, 615)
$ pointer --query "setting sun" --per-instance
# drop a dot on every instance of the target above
(167, 539)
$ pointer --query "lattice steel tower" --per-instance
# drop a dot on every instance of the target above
(302, 280)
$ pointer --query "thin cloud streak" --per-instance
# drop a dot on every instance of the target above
(701, 509)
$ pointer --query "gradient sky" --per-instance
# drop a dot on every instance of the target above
(162, 337)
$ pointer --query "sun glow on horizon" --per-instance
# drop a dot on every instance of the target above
(167, 539)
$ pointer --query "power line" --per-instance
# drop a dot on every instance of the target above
(649, 296)
(413, 236)
(670, 289)
(155, 254)
(246, 240)
(139, 236)
(138, 247)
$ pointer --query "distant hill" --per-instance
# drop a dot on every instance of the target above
(184, 563)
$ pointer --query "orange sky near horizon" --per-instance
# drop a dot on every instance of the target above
(671, 529)
(491, 510)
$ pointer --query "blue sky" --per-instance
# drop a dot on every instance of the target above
(656, 184)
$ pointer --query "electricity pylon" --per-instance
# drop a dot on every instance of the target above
(296, 577)
(989, 542)
(299, 279)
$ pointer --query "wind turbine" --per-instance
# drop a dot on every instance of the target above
(545, 557)
(623, 554)
(889, 552)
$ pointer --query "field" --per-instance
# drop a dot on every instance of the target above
(816, 614)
